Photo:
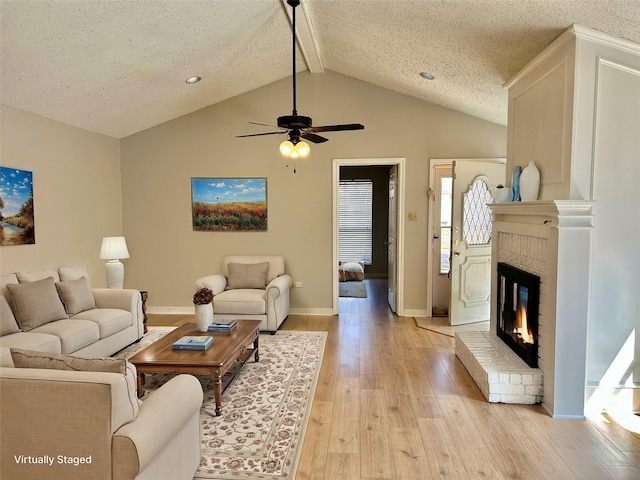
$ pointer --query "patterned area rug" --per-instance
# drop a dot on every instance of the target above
(352, 289)
(265, 409)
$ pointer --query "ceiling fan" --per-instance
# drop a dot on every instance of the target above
(296, 126)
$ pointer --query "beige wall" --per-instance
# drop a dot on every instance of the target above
(76, 187)
(167, 256)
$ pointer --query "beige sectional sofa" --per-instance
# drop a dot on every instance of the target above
(74, 416)
(57, 311)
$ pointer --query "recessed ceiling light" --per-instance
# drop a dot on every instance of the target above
(193, 79)
(426, 76)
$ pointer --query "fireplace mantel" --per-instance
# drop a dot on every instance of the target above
(552, 239)
(556, 213)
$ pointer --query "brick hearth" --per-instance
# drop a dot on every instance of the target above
(501, 375)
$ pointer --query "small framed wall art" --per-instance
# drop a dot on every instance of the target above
(229, 204)
(17, 225)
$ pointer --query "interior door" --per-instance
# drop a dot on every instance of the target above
(391, 240)
(471, 224)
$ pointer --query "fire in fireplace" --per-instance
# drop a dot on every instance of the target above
(517, 321)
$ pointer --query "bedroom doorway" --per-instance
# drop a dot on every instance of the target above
(391, 262)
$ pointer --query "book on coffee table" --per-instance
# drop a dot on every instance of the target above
(222, 325)
(193, 343)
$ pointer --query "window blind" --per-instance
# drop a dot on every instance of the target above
(355, 220)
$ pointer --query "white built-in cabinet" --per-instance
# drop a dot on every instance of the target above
(575, 111)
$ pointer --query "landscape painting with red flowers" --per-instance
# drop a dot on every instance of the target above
(229, 204)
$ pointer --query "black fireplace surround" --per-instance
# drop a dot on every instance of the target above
(517, 320)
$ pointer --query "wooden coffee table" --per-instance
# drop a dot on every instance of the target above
(227, 348)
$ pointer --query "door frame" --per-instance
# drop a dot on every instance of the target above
(433, 163)
(362, 162)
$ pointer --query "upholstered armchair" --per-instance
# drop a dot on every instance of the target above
(251, 287)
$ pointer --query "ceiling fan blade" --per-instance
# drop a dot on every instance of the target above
(259, 134)
(299, 126)
(265, 125)
(312, 137)
(337, 128)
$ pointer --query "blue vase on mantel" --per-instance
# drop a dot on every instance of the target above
(515, 183)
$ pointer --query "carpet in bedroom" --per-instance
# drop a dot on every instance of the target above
(352, 289)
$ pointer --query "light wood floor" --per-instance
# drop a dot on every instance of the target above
(393, 402)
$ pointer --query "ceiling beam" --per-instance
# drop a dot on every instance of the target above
(306, 38)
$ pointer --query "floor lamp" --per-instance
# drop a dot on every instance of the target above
(113, 249)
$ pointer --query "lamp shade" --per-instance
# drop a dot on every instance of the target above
(114, 248)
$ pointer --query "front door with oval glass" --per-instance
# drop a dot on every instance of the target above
(471, 233)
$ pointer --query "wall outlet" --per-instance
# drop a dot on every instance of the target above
(297, 284)
(413, 216)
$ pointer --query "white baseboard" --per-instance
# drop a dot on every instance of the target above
(310, 311)
(190, 310)
(171, 310)
(415, 313)
(293, 311)
(561, 417)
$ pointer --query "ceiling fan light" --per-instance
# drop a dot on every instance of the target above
(286, 148)
(302, 149)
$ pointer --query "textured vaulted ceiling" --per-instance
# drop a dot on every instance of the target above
(118, 67)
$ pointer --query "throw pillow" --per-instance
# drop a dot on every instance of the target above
(69, 273)
(36, 303)
(34, 276)
(76, 295)
(57, 361)
(247, 275)
(8, 323)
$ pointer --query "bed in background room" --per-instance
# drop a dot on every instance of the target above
(351, 271)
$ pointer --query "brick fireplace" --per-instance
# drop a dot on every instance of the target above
(551, 240)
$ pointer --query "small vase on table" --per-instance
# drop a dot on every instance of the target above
(204, 316)
(203, 301)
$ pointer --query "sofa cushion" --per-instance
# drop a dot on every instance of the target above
(8, 323)
(69, 273)
(36, 303)
(241, 301)
(76, 295)
(31, 341)
(26, 277)
(56, 361)
(247, 275)
(74, 334)
(109, 320)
